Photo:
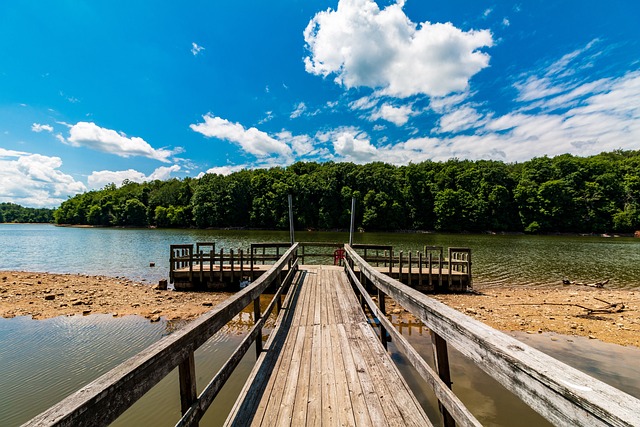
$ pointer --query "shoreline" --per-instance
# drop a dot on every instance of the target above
(561, 309)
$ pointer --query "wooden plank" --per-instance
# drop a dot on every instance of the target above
(369, 392)
(359, 406)
(299, 417)
(314, 405)
(397, 389)
(329, 393)
(344, 407)
(288, 392)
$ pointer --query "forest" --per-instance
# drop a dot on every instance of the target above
(10, 212)
(566, 193)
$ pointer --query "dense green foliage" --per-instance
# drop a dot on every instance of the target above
(561, 194)
(10, 212)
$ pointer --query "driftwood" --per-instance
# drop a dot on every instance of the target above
(593, 285)
(610, 308)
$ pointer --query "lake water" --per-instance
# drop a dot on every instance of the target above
(43, 361)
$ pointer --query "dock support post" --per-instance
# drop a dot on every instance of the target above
(420, 269)
(188, 391)
(257, 314)
(291, 232)
(353, 220)
(221, 264)
(441, 358)
(231, 280)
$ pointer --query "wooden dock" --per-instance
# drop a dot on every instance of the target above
(205, 268)
(324, 365)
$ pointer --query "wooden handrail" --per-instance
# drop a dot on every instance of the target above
(560, 393)
(103, 400)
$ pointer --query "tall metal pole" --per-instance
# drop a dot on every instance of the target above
(353, 220)
(291, 235)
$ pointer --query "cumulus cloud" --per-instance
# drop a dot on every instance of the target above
(224, 170)
(399, 116)
(35, 180)
(251, 140)
(90, 135)
(37, 127)
(99, 179)
(382, 49)
(195, 49)
(350, 144)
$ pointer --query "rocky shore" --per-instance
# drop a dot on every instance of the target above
(609, 315)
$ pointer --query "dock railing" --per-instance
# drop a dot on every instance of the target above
(561, 394)
(103, 400)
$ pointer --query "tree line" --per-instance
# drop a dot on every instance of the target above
(10, 212)
(566, 193)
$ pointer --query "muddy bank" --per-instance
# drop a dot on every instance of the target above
(562, 309)
(45, 295)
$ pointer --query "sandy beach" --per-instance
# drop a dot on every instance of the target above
(609, 315)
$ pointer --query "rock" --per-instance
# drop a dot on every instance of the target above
(591, 337)
(396, 311)
(135, 304)
(162, 284)
(207, 304)
(156, 311)
(86, 312)
(155, 318)
(49, 297)
(77, 302)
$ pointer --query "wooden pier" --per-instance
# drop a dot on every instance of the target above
(205, 268)
(323, 364)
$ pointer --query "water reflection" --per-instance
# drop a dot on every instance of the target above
(489, 401)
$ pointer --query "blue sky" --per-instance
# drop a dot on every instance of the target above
(97, 91)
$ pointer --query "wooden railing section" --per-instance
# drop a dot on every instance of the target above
(561, 394)
(102, 401)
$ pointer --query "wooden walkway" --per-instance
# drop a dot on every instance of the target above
(324, 365)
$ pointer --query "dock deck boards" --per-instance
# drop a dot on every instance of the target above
(324, 365)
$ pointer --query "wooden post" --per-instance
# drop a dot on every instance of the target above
(221, 266)
(188, 391)
(256, 316)
(400, 267)
(231, 264)
(191, 265)
(383, 312)
(419, 268)
(390, 262)
(441, 359)
(430, 270)
(291, 232)
(253, 277)
(450, 278)
(302, 256)
(201, 257)
(409, 274)
(212, 257)
(241, 264)
(353, 220)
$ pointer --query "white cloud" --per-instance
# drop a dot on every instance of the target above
(350, 144)
(299, 110)
(506, 22)
(396, 115)
(90, 135)
(251, 140)
(99, 179)
(382, 49)
(195, 49)
(34, 180)
(37, 127)
(224, 170)
(459, 119)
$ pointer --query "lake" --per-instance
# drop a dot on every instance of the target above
(43, 361)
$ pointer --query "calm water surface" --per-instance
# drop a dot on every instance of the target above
(43, 361)
(497, 259)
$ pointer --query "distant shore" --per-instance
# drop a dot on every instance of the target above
(561, 309)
